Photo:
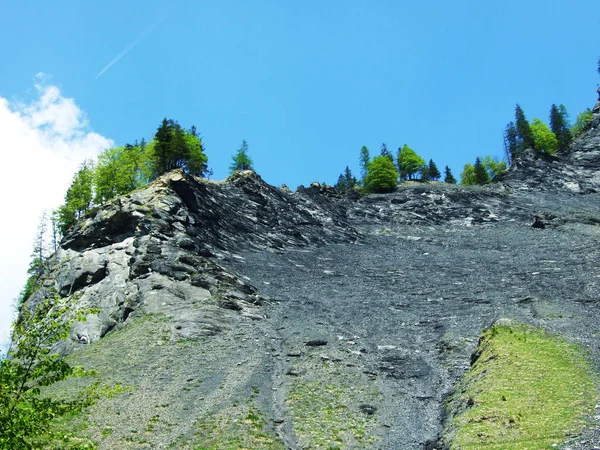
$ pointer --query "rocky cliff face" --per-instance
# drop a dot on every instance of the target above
(240, 315)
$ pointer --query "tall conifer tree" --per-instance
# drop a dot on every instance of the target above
(559, 124)
(524, 135)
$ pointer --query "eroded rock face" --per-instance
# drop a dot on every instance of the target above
(260, 296)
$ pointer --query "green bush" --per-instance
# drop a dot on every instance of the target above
(381, 175)
(584, 121)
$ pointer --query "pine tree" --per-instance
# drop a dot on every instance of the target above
(346, 181)
(241, 160)
(176, 148)
(448, 177)
(432, 171)
(481, 174)
(364, 160)
(524, 135)
(162, 148)
(559, 124)
(510, 142)
(385, 152)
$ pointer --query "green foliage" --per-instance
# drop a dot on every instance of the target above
(385, 152)
(524, 134)
(559, 124)
(176, 148)
(493, 166)
(409, 162)
(432, 171)
(544, 140)
(78, 198)
(510, 142)
(241, 160)
(448, 177)
(482, 171)
(381, 175)
(583, 122)
(527, 389)
(346, 181)
(467, 176)
(481, 174)
(26, 415)
(364, 160)
(121, 170)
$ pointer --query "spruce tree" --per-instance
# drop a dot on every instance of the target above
(162, 148)
(432, 171)
(559, 124)
(448, 177)
(524, 135)
(481, 174)
(349, 178)
(364, 160)
(510, 142)
(385, 152)
(241, 160)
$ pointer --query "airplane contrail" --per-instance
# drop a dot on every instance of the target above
(132, 44)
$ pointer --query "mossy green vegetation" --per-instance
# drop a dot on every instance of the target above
(237, 427)
(327, 415)
(527, 390)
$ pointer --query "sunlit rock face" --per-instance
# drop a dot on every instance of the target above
(331, 320)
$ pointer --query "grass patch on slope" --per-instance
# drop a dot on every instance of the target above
(234, 428)
(526, 390)
(326, 411)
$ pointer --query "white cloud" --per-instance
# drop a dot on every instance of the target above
(42, 143)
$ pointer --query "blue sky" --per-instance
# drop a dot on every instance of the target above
(306, 83)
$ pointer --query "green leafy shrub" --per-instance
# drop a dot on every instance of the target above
(584, 121)
(26, 414)
(381, 175)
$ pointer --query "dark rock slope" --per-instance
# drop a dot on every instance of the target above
(241, 315)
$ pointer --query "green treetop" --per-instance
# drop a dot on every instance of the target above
(481, 174)
(432, 171)
(176, 148)
(364, 160)
(409, 162)
(524, 134)
(510, 142)
(78, 198)
(467, 176)
(559, 124)
(544, 140)
(381, 175)
(346, 181)
(448, 177)
(385, 152)
(493, 166)
(241, 160)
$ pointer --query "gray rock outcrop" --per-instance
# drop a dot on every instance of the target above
(220, 302)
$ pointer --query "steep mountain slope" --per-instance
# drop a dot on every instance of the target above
(239, 315)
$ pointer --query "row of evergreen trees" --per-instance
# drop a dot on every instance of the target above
(381, 173)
